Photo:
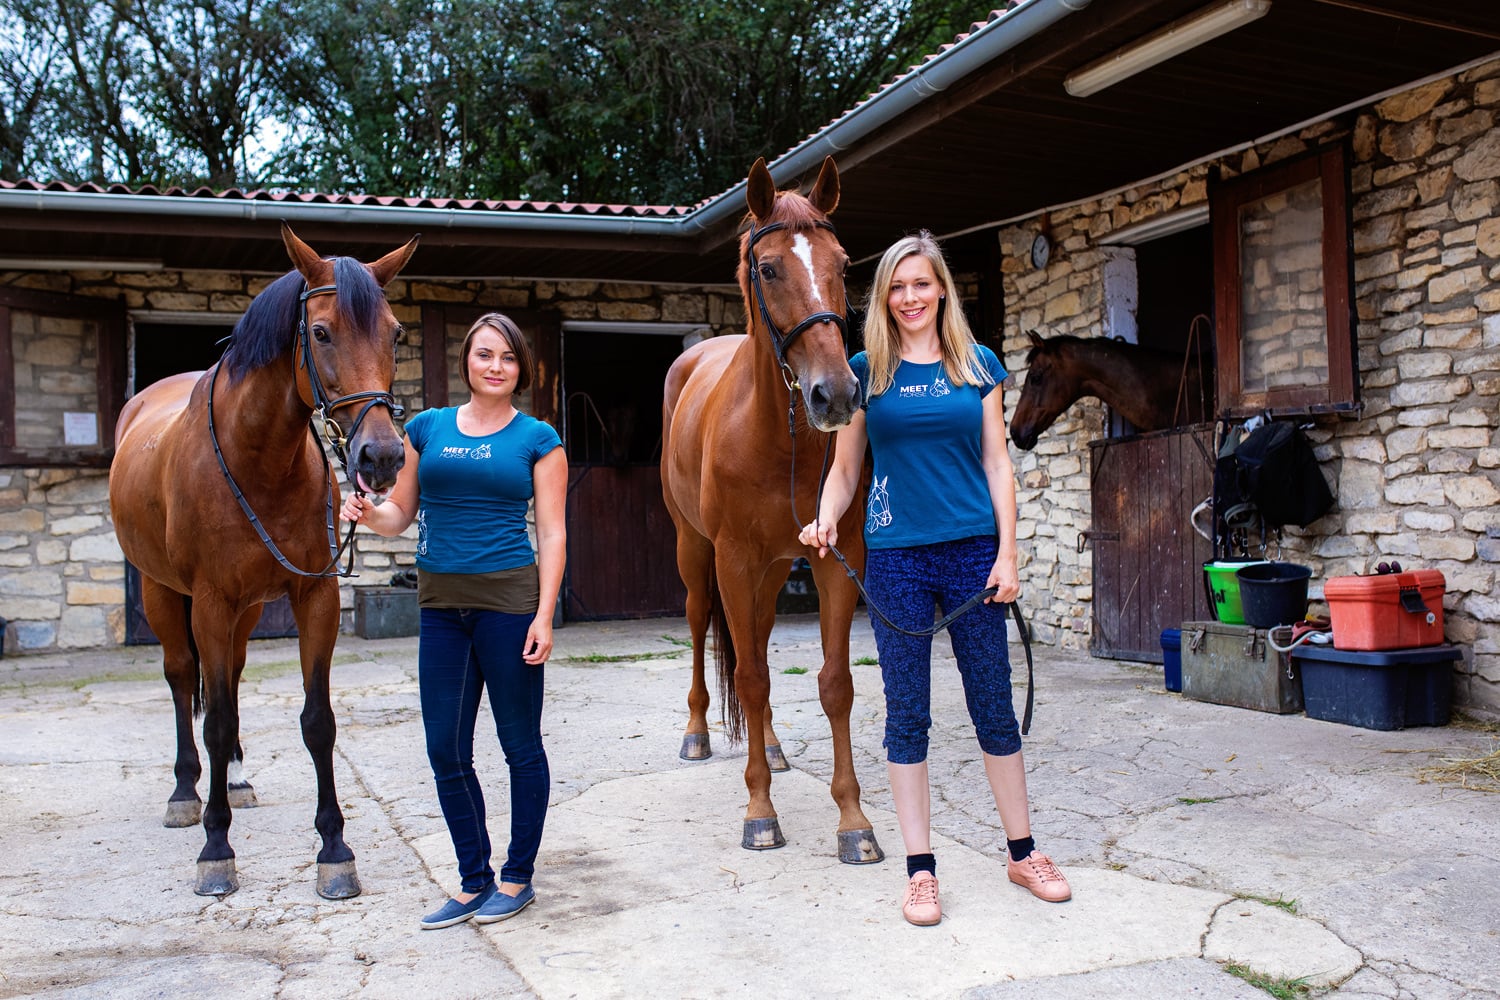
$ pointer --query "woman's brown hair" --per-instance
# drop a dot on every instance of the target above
(514, 339)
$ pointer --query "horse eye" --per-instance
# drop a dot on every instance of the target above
(400, 337)
(320, 334)
(768, 272)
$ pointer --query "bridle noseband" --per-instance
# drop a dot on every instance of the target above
(782, 342)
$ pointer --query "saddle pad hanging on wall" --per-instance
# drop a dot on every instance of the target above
(1280, 475)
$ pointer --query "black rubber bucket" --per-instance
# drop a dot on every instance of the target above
(1273, 593)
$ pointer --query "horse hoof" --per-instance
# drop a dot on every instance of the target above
(762, 835)
(337, 881)
(775, 759)
(242, 797)
(858, 847)
(695, 747)
(217, 878)
(183, 812)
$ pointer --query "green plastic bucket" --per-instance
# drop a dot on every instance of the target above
(1224, 588)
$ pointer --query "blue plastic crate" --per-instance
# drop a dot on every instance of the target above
(1389, 689)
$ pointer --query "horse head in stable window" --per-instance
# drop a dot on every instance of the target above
(1152, 389)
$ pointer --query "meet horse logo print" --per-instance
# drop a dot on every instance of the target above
(455, 451)
(879, 507)
(937, 388)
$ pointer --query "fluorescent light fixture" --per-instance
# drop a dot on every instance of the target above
(77, 264)
(1159, 46)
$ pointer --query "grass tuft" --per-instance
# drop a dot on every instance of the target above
(1280, 902)
(795, 670)
(1279, 987)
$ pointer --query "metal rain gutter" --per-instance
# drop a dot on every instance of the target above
(927, 80)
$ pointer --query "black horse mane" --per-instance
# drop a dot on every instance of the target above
(269, 327)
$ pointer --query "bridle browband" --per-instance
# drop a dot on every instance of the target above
(323, 409)
(782, 342)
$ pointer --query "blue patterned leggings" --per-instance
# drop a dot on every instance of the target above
(909, 585)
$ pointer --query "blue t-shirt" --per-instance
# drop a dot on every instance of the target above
(927, 439)
(471, 516)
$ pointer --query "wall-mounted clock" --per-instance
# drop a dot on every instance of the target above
(1041, 251)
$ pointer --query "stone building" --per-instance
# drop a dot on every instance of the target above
(1131, 134)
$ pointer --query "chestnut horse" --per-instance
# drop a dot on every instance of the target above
(1146, 387)
(734, 438)
(223, 499)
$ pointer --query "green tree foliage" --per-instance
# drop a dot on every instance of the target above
(639, 101)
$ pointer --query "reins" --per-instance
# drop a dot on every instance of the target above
(780, 344)
(323, 408)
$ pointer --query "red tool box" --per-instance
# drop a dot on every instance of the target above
(1389, 611)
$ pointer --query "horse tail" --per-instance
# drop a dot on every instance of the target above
(732, 712)
(187, 616)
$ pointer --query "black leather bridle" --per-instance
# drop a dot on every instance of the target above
(782, 342)
(323, 409)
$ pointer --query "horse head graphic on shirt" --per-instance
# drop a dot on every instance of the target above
(879, 507)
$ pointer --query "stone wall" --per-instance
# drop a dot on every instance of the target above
(61, 569)
(1418, 468)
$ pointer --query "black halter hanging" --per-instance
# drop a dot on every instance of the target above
(323, 409)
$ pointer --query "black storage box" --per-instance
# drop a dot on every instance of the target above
(1389, 689)
(385, 612)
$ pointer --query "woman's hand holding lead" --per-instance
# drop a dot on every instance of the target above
(354, 508)
(819, 533)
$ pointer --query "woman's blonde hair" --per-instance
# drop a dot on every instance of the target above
(883, 338)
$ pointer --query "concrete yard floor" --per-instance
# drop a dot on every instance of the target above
(1197, 838)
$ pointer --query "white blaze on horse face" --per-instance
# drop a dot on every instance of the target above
(803, 249)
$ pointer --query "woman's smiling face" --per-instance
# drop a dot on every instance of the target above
(493, 368)
(914, 296)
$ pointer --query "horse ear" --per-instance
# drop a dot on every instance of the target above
(391, 264)
(1036, 341)
(825, 192)
(760, 191)
(304, 257)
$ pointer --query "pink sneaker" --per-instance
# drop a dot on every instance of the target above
(921, 906)
(1037, 873)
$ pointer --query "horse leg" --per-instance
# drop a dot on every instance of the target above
(837, 597)
(214, 634)
(738, 591)
(694, 562)
(168, 612)
(775, 758)
(241, 794)
(317, 614)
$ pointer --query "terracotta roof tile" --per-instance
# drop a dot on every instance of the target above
(321, 198)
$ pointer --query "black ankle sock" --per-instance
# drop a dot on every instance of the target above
(1020, 848)
(920, 863)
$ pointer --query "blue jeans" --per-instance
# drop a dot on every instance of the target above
(908, 585)
(461, 652)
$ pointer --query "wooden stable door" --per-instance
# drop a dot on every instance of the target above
(1147, 559)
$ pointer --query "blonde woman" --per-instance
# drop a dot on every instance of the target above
(940, 526)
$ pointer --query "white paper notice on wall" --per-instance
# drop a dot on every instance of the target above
(80, 428)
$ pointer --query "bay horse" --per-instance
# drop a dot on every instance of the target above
(733, 435)
(222, 497)
(1140, 384)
